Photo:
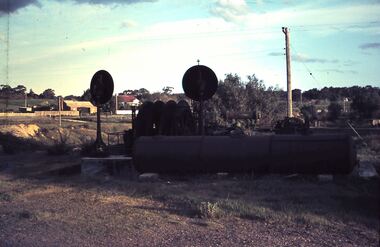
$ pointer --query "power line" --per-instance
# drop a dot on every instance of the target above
(307, 68)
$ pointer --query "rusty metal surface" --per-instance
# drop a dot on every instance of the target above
(319, 154)
(164, 119)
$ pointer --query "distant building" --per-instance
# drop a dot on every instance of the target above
(84, 107)
(124, 102)
(25, 109)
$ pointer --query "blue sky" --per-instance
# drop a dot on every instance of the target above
(150, 44)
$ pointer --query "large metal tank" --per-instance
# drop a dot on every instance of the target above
(315, 154)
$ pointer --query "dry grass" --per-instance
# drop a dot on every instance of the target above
(45, 133)
(39, 209)
(272, 209)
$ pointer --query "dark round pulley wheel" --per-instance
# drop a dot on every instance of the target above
(199, 83)
(101, 88)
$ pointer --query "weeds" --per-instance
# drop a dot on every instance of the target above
(60, 146)
(25, 215)
(5, 197)
(210, 210)
(87, 148)
(12, 144)
(374, 143)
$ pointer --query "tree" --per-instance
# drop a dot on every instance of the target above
(309, 112)
(6, 90)
(167, 90)
(232, 94)
(236, 96)
(130, 92)
(143, 94)
(296, 95)
(20, 89)
(86, 96)
(32, 94)
(365, 103)
(48, 94)
(311, 94)
(335, 109)
(72, 97)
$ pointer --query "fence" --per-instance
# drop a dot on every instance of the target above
(40, 114)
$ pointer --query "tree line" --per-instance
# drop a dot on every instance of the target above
(20, 91)
(249, 95)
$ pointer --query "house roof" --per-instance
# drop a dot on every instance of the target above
(126, 98)
(76, 104)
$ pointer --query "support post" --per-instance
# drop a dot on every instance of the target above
(288, 72)
(59, 110)
(201, 123)
(116, 104)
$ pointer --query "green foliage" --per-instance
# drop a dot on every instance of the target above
(167, 90)
(141, 94)
(338, 93)
(86, 96)
(251, 96)
(17, 92)
(210, 210)
(309, 111)
(32, 94)
(335, 110)
(48, 94)
(5, 197)
(365, 103)
(296, 95)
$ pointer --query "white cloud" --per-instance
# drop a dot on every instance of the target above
(231, 10)
(307, 59)
(128, 24)
(320, 20)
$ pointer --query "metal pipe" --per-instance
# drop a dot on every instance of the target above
(318, 154)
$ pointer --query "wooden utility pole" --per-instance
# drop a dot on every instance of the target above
(60, 104)
(288, 72)
(116, 104)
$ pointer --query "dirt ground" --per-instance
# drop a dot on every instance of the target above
(44, 201)
(48, 209)
(72, 132)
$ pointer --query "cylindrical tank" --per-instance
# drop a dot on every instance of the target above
(314, 154)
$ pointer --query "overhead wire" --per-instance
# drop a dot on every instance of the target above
(307, 68)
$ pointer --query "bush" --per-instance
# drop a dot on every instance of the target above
(87, 148)
(60, 147)
(309, 111)
(210, 210)
(12, 144)
(335, 110)
(365, 104)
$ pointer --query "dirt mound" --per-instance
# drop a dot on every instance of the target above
(21, 130)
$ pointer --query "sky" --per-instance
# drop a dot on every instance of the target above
(150, 44)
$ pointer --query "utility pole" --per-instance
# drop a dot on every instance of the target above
(288, 72)
(60, 104)
(116, 104)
